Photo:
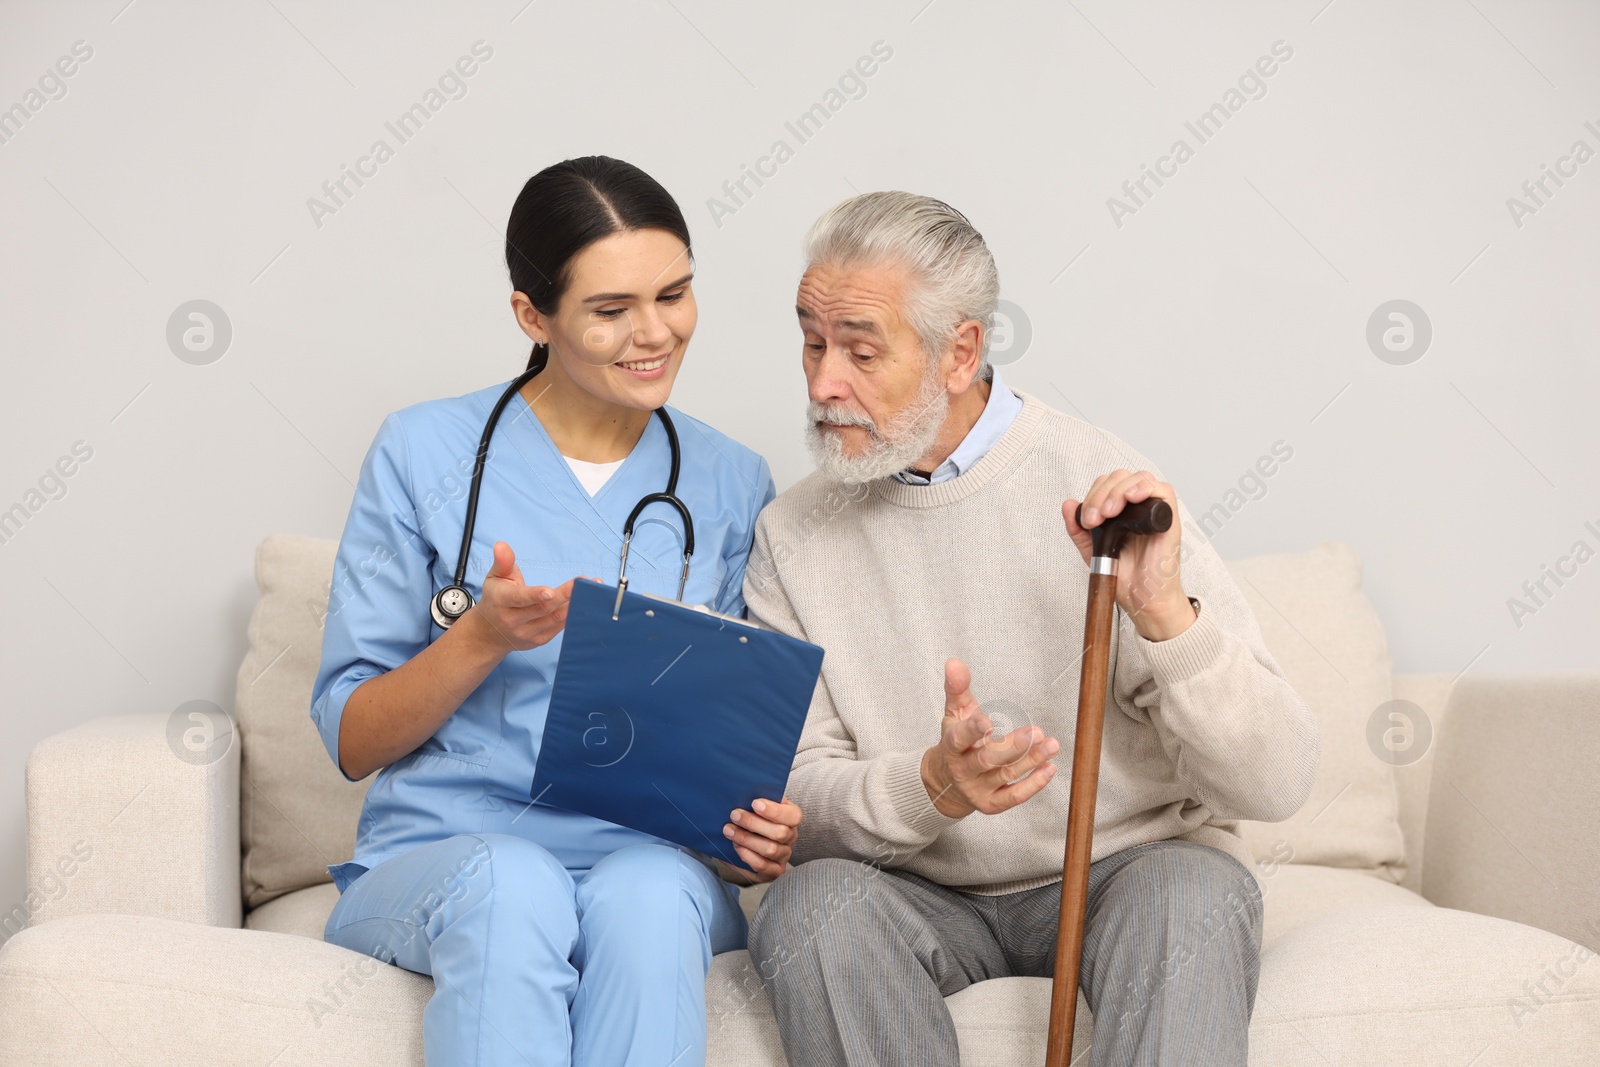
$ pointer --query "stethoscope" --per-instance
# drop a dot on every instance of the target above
(453, 601)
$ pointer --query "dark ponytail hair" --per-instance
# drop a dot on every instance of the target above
(568, 206)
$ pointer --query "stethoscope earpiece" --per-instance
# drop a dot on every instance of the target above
(449, 604)
(453, 601)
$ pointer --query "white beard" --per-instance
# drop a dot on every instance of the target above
(906, 439)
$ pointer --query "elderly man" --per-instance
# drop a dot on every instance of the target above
(927, 556)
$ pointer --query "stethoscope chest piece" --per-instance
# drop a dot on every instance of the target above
(449, 604)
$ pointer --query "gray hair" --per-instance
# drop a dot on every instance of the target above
(953, 276)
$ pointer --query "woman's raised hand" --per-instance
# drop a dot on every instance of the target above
(514, 615)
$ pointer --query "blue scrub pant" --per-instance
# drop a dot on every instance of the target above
(535, 964)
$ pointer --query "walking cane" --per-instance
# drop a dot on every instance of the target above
(1145, 517)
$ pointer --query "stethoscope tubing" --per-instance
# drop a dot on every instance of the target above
(446, 609)
(478, 462)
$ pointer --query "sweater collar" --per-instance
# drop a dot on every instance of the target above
(998, 412)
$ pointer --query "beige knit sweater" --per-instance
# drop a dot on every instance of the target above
(892, 579)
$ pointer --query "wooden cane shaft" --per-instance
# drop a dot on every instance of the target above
(1080, 817)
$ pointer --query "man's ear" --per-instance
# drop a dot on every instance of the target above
(965, 352)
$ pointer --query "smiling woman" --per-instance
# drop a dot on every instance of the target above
(602, 271)
(437, 671)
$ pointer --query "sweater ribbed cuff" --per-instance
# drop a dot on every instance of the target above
(903, 777)
(1192, 652)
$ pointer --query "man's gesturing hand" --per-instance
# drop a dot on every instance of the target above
(514, 616)
(968, 770)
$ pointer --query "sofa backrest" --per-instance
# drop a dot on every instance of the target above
(298, 813)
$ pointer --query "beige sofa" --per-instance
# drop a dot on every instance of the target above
(178, 892)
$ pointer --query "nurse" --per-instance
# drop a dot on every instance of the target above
(553, 938)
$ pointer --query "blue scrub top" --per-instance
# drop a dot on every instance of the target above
(399, 547)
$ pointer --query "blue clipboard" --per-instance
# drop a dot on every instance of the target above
(664, 718)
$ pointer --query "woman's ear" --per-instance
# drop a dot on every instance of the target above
(531, 319)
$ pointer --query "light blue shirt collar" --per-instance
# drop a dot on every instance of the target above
(998, 414)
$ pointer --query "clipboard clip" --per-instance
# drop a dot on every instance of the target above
(622, 576)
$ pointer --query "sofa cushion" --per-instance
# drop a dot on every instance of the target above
(131, 989)
(1402, 983)
(1354, 969)
(297, 813)
(1297, 893)
(1324, 633)
(304, 912)
(135, 990)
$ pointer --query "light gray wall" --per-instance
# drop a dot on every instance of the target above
(1228, 312)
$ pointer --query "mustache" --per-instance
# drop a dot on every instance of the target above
(839, 415)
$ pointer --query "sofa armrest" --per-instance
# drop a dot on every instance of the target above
(119, 822)
(1514, 803)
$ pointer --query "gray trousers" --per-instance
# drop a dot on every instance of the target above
(858, 959)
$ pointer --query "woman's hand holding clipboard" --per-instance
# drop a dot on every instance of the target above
(765, 838)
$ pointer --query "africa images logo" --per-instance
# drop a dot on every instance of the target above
(1252, 85)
